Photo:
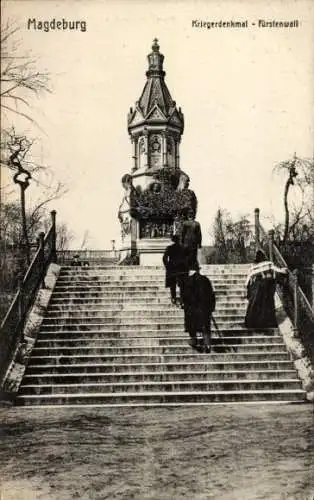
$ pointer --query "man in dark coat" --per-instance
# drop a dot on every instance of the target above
(191, 237)
(199, 304)
(176, 270)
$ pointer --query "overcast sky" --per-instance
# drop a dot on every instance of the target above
(246, 94)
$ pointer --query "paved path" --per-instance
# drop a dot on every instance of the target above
(214, 452)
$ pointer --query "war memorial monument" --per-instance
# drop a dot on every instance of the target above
(156, 191)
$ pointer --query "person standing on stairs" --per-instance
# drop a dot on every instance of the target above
(174, 260)
(199, 304)
(191, 236)
(261, 286)
(76, 262)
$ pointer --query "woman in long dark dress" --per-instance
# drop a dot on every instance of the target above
(261, 287)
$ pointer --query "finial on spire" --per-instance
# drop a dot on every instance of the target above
(155, 61)
(155, 45)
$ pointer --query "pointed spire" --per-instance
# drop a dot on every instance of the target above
(156, 101)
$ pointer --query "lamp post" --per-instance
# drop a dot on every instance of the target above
(22, 179)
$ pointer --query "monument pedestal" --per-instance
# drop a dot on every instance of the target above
(150, 251)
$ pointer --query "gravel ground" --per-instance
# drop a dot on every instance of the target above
(236, 452)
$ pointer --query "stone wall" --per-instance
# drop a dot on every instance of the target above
(301, 361)
(16, 370)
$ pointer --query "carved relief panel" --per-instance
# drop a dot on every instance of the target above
(155, 150)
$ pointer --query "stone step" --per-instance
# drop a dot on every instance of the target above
(138, 318)
(131, 283)
(129, 303)
(146, 334)
(205, 269)
(143, 278)
(128, 326)
(155, 304)
(139, 324)
(153, 376)
(149, 341)
(133, 301)
(123, 312)
(156, 281)
(161, 358)
(131, 309)
(174, 316)
(135, 296)
(149, 350)
(146, 271)
(162, 398)
(200, 363)
(179, 386)
(150, 287)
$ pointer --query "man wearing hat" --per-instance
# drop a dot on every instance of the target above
(174, 260)
(191, 236)
(199, 304)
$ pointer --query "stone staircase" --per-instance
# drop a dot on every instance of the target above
(111, 338)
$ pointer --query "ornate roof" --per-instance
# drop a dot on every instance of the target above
(155, 103)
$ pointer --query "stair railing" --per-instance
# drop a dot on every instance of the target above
(11, 329)
(293, 297)
(91, 256)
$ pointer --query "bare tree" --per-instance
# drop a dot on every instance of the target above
(19, 147)
(20, 79)
(64, 236)
(300, 173)
(231, 238)
(20, 82)
(219, 233)
(25, 170)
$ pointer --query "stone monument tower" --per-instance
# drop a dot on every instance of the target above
(156, 189)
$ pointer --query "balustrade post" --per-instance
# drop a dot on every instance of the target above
(41, 239)
(271, 236)
(20, 300)
(21, 308)
(257, 228)
(295, 299)
(312, 274)
(54, 236)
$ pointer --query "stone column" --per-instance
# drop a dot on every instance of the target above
(271, 234)
(257, 228)
(146, 145)
(177, 145)
(164, 149)
(135, 153)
